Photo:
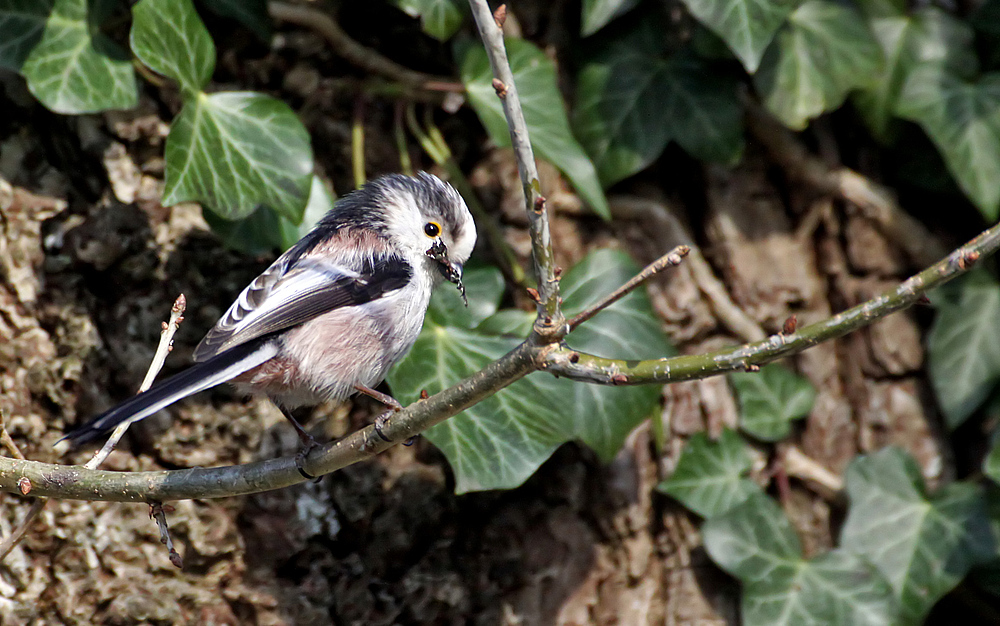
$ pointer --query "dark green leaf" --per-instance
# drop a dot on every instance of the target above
(747, 26)
(822, 53)
(70, 66)
(510, 322)
(597, 13)
(169, 37)
(250, 13)
(929, 36)
(236, 150)
(709, 478)
(923, 546)
(264, 231)
(499, 443)
(544, 113)
(755, 542)
(963, 347)
(438, 18)
(22, 24)
(770, 399)
(963, 121)
(632, 100)
(986, 20)
(991, 464)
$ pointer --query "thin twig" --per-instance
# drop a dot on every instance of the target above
(358, 142)
(353, 52)
(549, 327)
(670, 259)
(726, 311)
(7, 441)
(158, 512)
(159, 357)
(797, 464)
(399, 134)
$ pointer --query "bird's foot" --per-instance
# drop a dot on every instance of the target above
(300, 458)
(381, 422)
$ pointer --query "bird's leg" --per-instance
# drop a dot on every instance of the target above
(385, 399)
(308, 443)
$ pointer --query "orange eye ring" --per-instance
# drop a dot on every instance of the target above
(432, 229)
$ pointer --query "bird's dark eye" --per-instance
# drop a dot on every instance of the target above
(432, 229)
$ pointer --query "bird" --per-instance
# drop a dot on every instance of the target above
(333, 313)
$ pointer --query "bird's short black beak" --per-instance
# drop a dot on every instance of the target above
(451, 271)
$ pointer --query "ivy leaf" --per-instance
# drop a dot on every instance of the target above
(596, 14)
(963, 346)
(991, 464)
(770, 399)
(632, 100)
(963, 120)
(923, 546)
(747, 26)
(603, 416)
(170, 38)
(929, 36)
(822, 53)
(236, 150)
(544, 113)
(438, 18)
(498, 443)
(251, 13)
(69, 65)
(709, 478)
(484, 287)
(755, 542)
(264, 231)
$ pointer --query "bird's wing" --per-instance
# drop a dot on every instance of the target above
(291, 292)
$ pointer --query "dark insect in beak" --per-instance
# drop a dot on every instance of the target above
(451, 271)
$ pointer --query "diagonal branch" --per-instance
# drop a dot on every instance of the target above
(549, 327)
(562, 361)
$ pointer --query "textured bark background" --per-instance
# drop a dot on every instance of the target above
(90, 263)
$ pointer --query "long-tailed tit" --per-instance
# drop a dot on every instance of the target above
(334, 312)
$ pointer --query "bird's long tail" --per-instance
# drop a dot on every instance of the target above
(198, 377)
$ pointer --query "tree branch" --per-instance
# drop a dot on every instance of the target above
(550, 324)
(80, 483)
(353, 52)
(563, 361)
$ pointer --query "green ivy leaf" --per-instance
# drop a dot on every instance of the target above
(264, 231)
(544, 113)
(235, 150)
(963, 346)
(596, 14)
(963, 120)
(709, 477)
(438, 18)
(770, 399)
(929, 36)
(251, 13)
(69, 65)
(170, 38)
(923, 546)
(822, 53)
(632, 100)
(754, 542)
(498, 443)
(747, 26)
(484, 287)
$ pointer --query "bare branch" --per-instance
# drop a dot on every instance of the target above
(549, 327)
(672, 258)
(353, 52)
(563, 361)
